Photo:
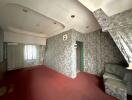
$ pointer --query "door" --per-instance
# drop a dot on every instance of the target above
(79, 56)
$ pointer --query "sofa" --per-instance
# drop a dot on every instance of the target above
(114, 81)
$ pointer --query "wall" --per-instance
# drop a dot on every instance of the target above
(99, 49)
(120, 28)
(59, 54)
(21, 38)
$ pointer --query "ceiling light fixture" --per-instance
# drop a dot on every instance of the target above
(19, 27)
(87, 26)
(72, 16)
(24, 10)
(55, 23)
(37, 25)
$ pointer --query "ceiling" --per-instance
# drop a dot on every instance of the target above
(110, 7)
(45, 18)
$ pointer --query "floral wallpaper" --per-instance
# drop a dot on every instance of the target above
(120, 28)
(59, 54)
(99, 48)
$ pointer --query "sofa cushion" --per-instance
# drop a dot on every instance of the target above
(116, 88)
(115, 83)
(115, 69)
(111, 76)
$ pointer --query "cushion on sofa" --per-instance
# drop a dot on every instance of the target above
(116, 88)
(112, 76)
(115, 69)
(116, 84)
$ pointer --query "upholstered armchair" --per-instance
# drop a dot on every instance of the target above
(114, 81)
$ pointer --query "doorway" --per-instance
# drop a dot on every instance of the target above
(79, 56)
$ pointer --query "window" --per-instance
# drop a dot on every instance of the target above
(30, 52)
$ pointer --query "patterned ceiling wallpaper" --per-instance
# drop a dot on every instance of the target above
(99, 48)
(120, 28)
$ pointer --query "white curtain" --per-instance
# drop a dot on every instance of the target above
(24, 55)
(31, 55)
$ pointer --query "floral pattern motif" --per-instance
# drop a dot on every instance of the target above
(120, 28)
(99, 49)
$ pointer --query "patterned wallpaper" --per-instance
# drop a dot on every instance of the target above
(99, 48)
(59, 54)
(120, 28)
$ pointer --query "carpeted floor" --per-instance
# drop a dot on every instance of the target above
(42, 83)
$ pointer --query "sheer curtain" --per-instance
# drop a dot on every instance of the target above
(24, 55)
(31, 55)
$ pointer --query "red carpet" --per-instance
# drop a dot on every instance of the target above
(42, 83)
